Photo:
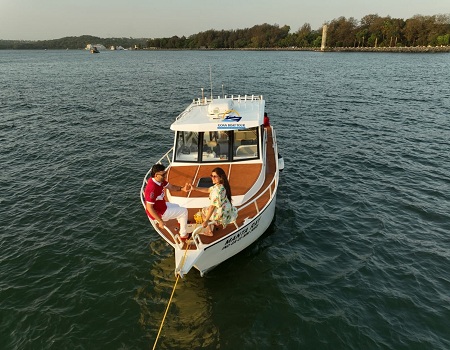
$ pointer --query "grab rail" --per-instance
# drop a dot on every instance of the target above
(255, 200)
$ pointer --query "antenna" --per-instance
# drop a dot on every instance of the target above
(210, 80)
(223, 95)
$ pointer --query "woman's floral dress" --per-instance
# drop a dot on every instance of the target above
(224, 213)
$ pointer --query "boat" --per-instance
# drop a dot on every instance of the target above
(94, 49)
(226, 132)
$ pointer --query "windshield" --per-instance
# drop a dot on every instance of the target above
(217, 146)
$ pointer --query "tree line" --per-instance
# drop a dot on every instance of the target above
(376, 31)
(71, 42)
(370, 31)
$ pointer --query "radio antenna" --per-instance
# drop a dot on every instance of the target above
(210, 80)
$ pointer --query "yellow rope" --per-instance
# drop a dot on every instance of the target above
(171, 296)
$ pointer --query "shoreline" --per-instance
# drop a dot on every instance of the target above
(403, 49)
(413, 49)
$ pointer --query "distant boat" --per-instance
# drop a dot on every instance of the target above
(96, 48)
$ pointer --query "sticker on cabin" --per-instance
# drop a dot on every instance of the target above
(231, 122)
(232, 118)
(231, 126)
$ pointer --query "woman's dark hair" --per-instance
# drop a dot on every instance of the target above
(156, 169)
(223, 180)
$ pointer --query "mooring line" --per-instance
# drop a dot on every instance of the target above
(188, 242)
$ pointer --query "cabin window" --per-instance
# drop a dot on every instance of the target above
(210, 146)
(217, 146)
(245, 144)
(198, 147)
(186, 148)
(223, 144)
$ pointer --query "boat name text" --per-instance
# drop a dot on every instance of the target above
(241, 234)
(231, 126)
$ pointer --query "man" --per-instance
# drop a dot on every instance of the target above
(157, 208)
(266, 120)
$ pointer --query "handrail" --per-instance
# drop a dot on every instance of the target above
(205, 100)
(175, 237)
(269, 188)
(182, 114)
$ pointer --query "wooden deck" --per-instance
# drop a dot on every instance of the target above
(241, 177)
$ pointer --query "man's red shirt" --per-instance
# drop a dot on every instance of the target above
(154, 194)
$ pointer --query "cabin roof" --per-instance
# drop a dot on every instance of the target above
(233, 113)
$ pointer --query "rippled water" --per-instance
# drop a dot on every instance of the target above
(358, 255)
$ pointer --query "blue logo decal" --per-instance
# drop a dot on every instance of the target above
(232, 118)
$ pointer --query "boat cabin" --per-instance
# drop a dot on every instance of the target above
(224, 130)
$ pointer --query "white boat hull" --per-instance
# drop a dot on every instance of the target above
(209, 256)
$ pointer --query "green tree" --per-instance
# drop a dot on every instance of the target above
(391, 31)
(443, 40)
(412, 31)
(341, 32)
(304, 36)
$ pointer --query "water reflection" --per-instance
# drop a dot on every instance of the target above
(188, 323)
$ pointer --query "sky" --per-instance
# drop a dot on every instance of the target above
(54, 19)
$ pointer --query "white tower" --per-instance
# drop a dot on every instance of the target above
(324, 37)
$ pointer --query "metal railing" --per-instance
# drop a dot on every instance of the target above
(274, 180)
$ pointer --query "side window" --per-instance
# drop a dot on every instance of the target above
(246, 144)
(186, 148)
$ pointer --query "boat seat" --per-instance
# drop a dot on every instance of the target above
(246, 151)
(223, 147)
(248, 142)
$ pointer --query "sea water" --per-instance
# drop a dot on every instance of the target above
(358, 254)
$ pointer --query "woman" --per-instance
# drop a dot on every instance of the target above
(220, 209)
